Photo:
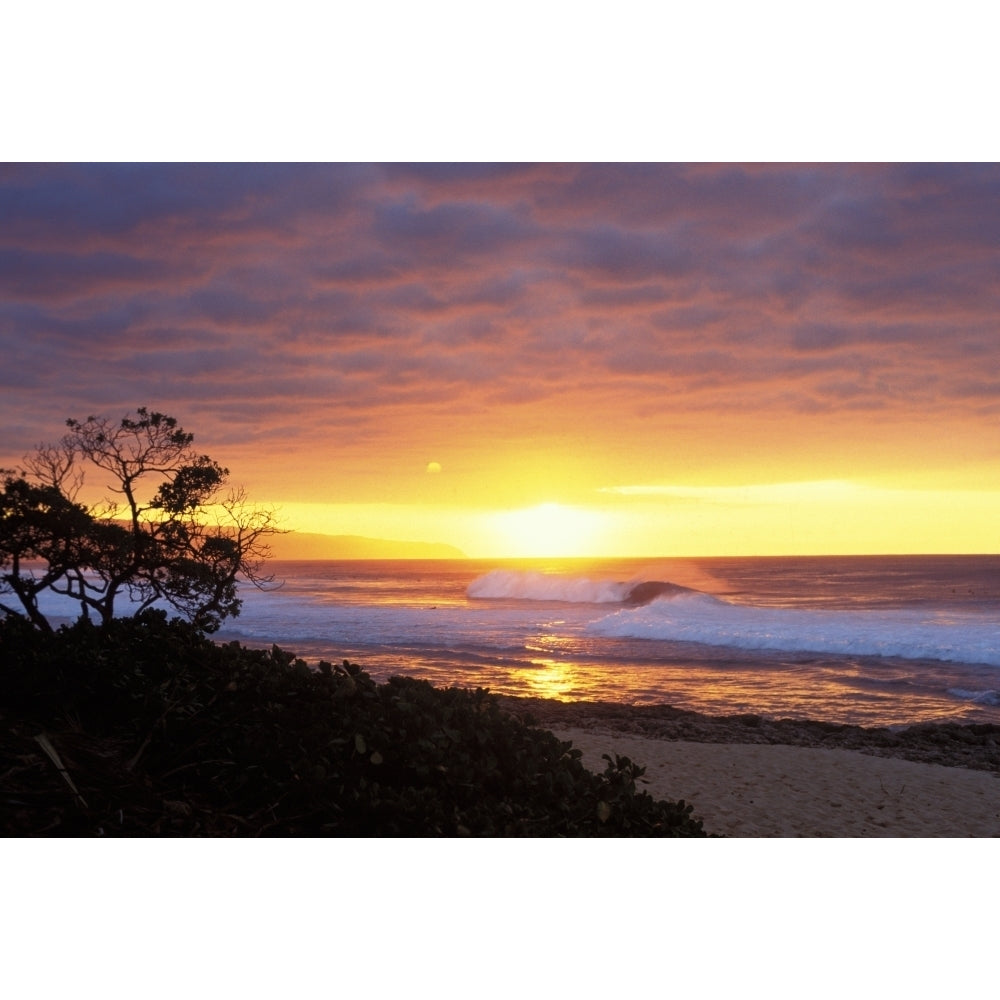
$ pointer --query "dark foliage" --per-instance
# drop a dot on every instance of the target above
(167, 533)
(145, 727)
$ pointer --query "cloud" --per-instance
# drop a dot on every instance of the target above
(619, 316)
(447, 233)
(754, 493)
(612, 253)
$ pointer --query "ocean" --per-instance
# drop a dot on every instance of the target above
(868, 640)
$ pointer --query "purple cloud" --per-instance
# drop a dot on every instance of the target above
(349, 309)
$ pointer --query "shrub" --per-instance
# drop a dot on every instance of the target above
(162, 731)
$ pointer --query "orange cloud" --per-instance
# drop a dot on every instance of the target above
(544, 331)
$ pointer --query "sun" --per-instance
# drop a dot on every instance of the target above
(548, 530)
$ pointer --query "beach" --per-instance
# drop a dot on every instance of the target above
(868, 641)
(750, 777)
(747, 790)
(704, 671)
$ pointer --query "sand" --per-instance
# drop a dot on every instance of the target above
(775, 790)
(750, 776)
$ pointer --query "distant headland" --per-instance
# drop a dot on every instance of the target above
(304, 545)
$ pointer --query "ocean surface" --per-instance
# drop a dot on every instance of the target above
(886, 640)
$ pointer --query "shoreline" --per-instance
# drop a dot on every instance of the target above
(747, 776)
(952, 744)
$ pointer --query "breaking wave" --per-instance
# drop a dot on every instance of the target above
(528, 585)
(699, 618)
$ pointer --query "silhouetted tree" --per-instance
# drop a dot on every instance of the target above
(186, 543)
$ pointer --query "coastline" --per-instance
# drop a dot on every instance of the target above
(747, 776)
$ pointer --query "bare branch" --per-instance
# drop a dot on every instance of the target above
(54, 466)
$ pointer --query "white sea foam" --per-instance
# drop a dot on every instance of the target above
(901, 633)
(533, 586)
(874, 641)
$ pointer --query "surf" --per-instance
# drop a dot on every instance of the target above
(531, 585)
(906, 634)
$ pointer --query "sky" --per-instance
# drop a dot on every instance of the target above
(552, 359)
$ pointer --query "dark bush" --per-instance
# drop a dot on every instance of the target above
(146, 727)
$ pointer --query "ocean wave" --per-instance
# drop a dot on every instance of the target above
(525, 585)
(530, 585)
(895, 633)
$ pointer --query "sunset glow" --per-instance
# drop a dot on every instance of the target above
(550, 360)
(551, 529)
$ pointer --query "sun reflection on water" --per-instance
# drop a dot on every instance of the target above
(548, 679)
